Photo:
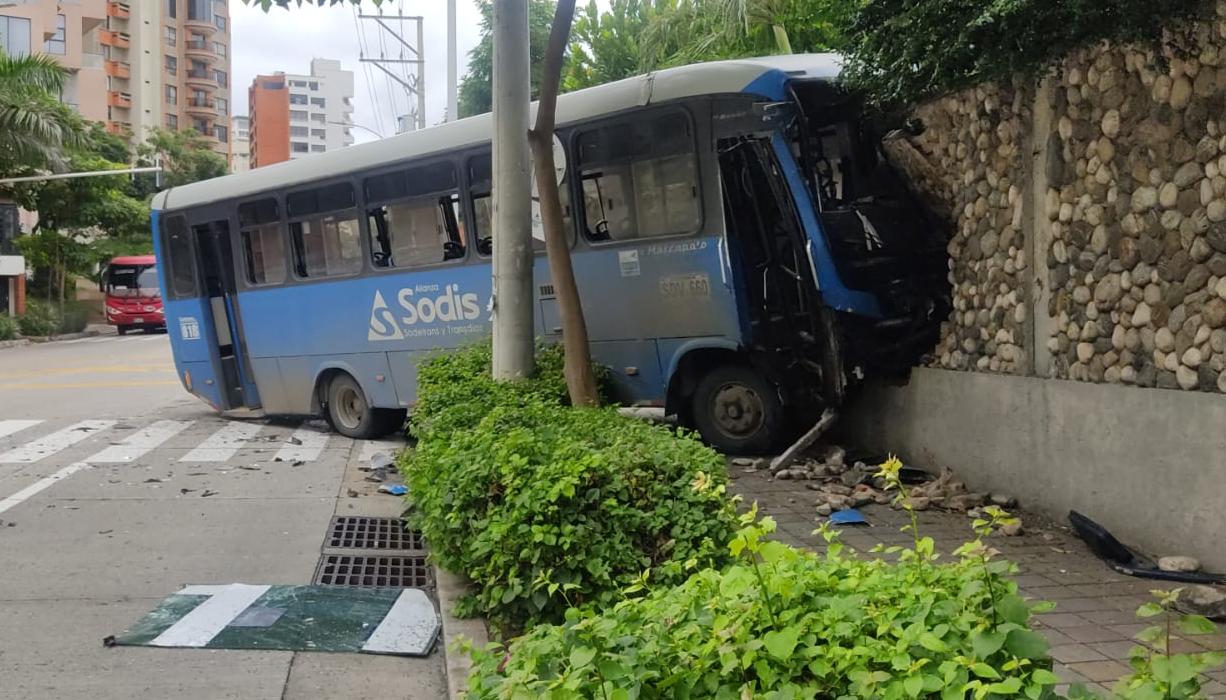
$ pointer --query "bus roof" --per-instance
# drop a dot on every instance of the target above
(717, 77)
(134, 260)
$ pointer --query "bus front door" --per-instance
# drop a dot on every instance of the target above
(217, 273)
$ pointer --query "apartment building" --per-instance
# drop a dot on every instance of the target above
(296, 115)
(70, 32)
(240, 144)
(135, 64)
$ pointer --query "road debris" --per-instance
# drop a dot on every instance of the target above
(790, 454)
(1202, 600)
(1126, 560)
(848, 516)
(207, 493)
(394, 489)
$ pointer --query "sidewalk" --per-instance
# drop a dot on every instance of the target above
(1091, 628)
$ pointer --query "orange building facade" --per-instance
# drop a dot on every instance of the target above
(268, 105)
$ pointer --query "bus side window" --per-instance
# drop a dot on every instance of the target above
(420, 227)
(263, 246)
(640, 179)
(325, 233)
(483, 208)
(182, 274)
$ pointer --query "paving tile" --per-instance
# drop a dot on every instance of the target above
(1087, 634)
(1055, 636)
(1212, 642)
(1129, 630)
(1110, 617)
(1080, 605)
(1067, 674)
(1062, 621)
(1075, 653)
(1115, 650)
(1101, 671)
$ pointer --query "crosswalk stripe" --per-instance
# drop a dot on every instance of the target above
(370, 448)
(38, 486)
(137, 444)
(8, 427)
(54, 442)
(310, 443)
(221, 445)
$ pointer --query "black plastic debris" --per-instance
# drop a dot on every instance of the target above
(1126, 560)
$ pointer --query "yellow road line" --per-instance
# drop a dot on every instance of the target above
(89, 385)
(98, 369)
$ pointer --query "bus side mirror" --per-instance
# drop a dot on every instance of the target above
(102, 279)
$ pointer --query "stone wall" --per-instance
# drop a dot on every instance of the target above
(1111, 175)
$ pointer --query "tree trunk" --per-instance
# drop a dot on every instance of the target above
(580, 379)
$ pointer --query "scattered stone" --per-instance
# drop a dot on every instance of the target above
(1011, 529)
(1202, 600)
(824, 509)
(1003, 500)
(1178, 563)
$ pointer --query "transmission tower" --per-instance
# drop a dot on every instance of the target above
(411, 56)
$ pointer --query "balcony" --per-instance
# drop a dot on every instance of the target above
(115, 40)
(118, 10)
(205, 79)
(122, 100)
(201, 26)
(117, 128)
(201, 106)
(200, 50)
(119, 69)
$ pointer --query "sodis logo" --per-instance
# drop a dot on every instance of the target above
(449, 306)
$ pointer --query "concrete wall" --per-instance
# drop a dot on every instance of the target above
(1148, 465)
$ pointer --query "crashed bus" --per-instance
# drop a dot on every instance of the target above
(743, 251)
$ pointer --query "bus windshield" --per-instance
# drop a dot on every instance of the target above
(132, 281)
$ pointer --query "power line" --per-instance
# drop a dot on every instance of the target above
(367, 72)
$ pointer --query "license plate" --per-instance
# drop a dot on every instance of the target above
(138, 320)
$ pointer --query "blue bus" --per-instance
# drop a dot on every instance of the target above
(742, 248)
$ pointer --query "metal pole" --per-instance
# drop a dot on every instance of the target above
(453, 101)
(512, 282)
(421, 75)
(91, 173)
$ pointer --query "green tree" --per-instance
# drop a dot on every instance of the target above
(477, 87)
(605, 45)
(690, 31)
(185, 157)
(35, 125)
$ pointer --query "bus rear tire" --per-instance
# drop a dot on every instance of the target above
(350, 413)
(737, 411)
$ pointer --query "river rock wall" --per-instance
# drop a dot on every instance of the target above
(1112, 174)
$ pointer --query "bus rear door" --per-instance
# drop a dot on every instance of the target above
(217, 277)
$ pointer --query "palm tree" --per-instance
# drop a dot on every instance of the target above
(36, 127)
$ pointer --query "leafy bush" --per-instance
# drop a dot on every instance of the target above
(786, 623)
(40, 319)
(1157, 673)
(544, 506)
(8, 327)
(902, 51)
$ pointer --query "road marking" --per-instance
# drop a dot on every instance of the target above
(8, 427)
(40, 485)
(370, 448)
(138, 443)
(410, 627)
(59, 440)
(198, 627)
(310, 443)
(92, 385)
(221, 445)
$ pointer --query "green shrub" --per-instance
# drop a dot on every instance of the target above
(544, 506)
(8, 327)
(903, 51)
(786, 623)
(40, 319)
(73, 318)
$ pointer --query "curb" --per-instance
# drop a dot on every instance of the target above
(450, 588)
(66, 336)
(18, 343)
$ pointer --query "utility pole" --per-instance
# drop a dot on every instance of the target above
(512, 282)
(414, 83)
(453, 100)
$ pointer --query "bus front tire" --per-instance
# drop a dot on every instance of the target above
(737, 411)
(350, 413)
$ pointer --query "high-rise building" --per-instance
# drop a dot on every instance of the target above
(240, 144)
(169, 66)
(296, 115)
(70, 32)
(134, 65)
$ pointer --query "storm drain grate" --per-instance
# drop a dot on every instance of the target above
(373, 571)
(347, 532)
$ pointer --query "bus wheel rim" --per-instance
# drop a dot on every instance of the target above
(738, 410)
(349, 407)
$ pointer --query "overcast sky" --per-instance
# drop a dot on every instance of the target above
(287, 40)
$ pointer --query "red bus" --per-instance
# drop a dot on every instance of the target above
(133, 297)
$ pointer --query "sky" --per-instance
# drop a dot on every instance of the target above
(287, 40)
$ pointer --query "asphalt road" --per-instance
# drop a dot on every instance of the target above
(105, 463)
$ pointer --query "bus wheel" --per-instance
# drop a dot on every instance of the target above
(737, 411)
(350, 413)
